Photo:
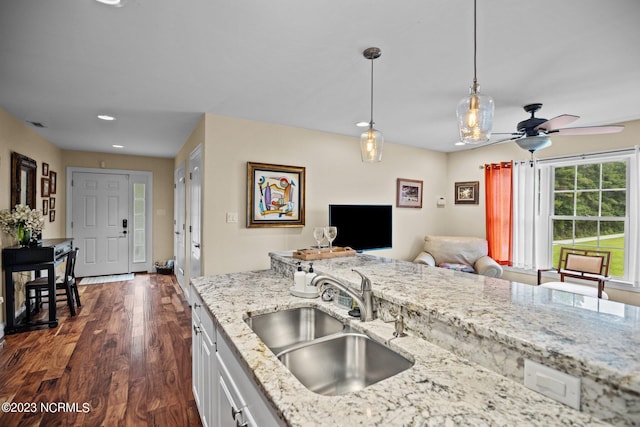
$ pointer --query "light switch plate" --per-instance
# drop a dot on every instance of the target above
(232, 217)
(552, 383)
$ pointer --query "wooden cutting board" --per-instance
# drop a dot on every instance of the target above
(324, 253)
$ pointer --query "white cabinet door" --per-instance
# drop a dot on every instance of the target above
(204, 370)
(208, 377)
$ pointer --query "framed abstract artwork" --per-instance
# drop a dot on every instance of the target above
(408, 193)
(466, 192)
(275, 195)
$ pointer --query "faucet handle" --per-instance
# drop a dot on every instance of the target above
(365, 283)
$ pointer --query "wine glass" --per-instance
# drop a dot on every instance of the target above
(330, 233)
(318, 234)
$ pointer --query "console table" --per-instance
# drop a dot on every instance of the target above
(35, 258)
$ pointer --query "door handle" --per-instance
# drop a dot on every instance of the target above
(197, 245)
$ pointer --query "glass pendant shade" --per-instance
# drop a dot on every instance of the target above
(371, 142)
(534, 143)
(475, 118)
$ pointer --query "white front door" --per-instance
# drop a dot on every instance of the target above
(179, 226)
(100, 223)
(195, 211)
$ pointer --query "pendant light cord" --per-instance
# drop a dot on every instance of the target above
(371, 121)
(475, 45)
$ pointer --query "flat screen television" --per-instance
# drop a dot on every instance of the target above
(362, 227)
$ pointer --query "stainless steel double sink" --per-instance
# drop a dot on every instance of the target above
(323, 354)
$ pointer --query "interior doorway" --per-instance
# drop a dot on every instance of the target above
(195, 212)
(179, 225)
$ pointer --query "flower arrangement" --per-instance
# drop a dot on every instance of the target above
(22, 222)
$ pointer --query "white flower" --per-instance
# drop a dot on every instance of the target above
(30, 219)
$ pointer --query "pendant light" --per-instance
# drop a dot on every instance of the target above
(371, 140)
(475, 112)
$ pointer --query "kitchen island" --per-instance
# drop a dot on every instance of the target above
(468, 336)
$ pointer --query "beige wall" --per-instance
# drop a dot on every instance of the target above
(162, 169)
(334, 174)
(19, 137)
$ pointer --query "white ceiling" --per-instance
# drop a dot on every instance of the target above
(159, 64)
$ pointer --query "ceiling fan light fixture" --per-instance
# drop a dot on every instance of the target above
(534, 143)
(371, 140)
(475, 112)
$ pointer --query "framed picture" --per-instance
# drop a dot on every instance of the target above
(53, 177)
(409, 193)
(466, 192)
(44, 187)
(52, 215)
(45, 169)
(52, 203)
(45, 207)
(275, 195)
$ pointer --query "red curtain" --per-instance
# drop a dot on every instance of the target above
(499, 213)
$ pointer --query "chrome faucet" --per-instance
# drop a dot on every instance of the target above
(364, 300)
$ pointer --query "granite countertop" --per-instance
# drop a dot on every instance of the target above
(442, 388)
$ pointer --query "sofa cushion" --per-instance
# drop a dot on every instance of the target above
(456, 249)
(458, 267)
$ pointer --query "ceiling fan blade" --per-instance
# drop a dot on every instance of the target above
(588, 130)
(514, 137)
(557, 122)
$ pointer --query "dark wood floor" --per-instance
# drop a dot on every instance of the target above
(127, 354)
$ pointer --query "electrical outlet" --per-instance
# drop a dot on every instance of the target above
(552, 383)
(232, 217)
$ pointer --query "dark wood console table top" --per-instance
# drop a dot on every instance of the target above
(34, 258)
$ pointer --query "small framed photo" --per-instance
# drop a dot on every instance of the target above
(45, 169)
(45, 187)
(275, 195)
(409, 193)
(45, 207)
(52, 203)
(52, 216)
(53, 177)
(466, 193)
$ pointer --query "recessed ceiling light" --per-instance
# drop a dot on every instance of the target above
(459, 143)
(362, 124)
(114, 3)
(117, 146)
(106, 117)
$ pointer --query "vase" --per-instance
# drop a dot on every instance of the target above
(23, 235)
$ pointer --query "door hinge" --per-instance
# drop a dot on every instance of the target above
(71, 224)
(189, 229)
(190, 175)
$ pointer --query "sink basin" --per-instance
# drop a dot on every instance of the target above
(282, 329)
(342, 363)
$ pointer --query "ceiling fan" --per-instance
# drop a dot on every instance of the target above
(533, 133)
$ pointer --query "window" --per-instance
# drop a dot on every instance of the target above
(590, 201)
(139, 218)
(590, 209)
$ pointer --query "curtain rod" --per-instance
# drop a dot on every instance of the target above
(585, 155)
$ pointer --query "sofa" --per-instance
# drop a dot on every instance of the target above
(468, 254)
